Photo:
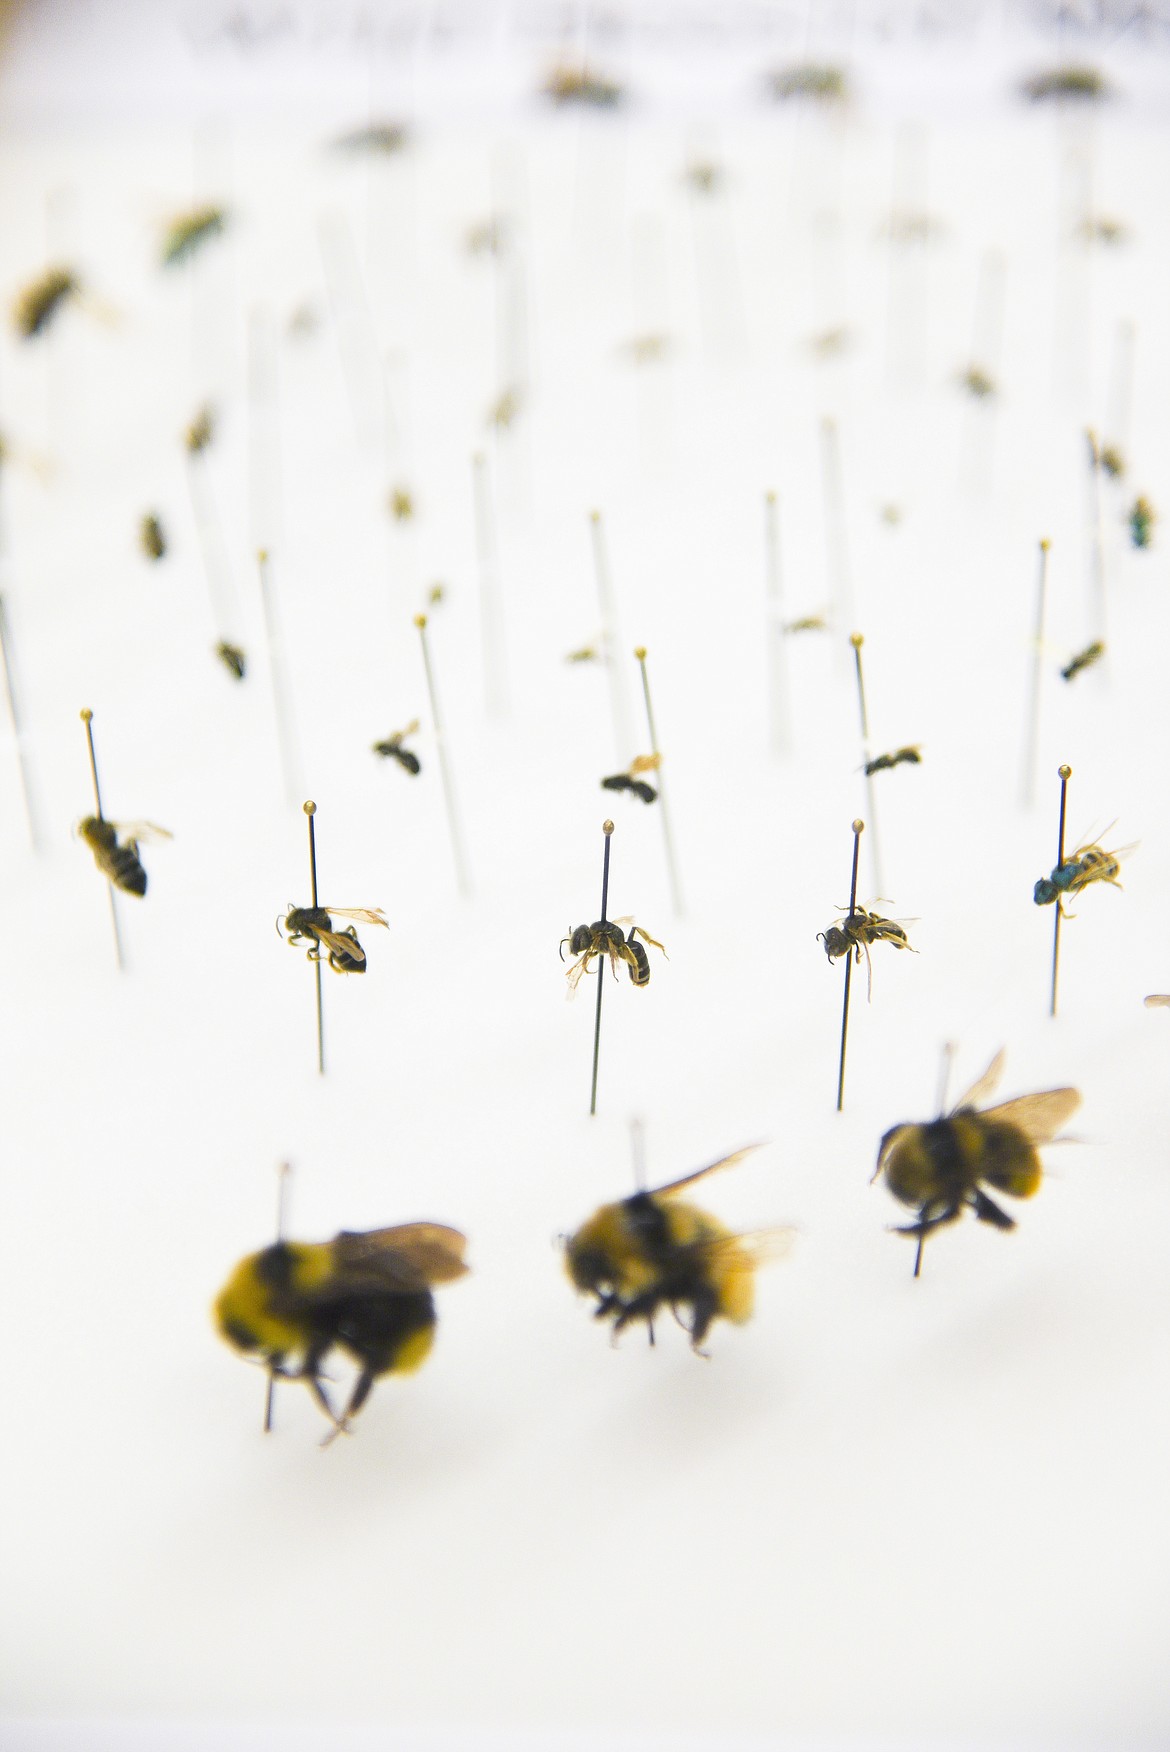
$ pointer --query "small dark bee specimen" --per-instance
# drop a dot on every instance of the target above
(655, 1251)
(1141, 519)
(940, 1168)
(392, 748)
(232, 657)
(977, 382)
(1082, 84)
(188, 232)
(200, 432)
(151, 538)
(809, 623)
(856, 931)
(314, 925)
(578, 85)
(400, 504)
(884, 763)
(39, 303)
(584, 654)
(816, 80)
(1083, 660)
(383, 137)
(118, 862)
(1087, 864)
(369, 1294)
(606, 937)
(629, 781)
(1112, 459)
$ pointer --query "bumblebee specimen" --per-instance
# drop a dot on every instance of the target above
(368, 1293)
(151, 537)
(940, 1168)
(314, 925)
(1083, 660)
(39, 303)
(119, 863)
(578, 85)
(1086, 865)
(187, 232)
(629, 781)
(654, 1250)
(856, 931)
(884, 763)
(1141, 519)
(607, 937)
(232, 658)
(392, 748)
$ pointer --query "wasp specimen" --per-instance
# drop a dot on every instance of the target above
(1084, 84)
(40, 301)
(940, 1168)
(1088, 864)
(368, 1294)
(884, 763)
(232, 658)
(151, 537)
(314, 925)
(629, 780)
(188, 232)
(655, 1250)
(578, 85)
(816, 80)
(1084, 659)
(1141, 519)
(118, 860)
(856, 931)
(392, 748)
(607, 937)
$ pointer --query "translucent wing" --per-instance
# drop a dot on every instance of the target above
(142, 830)
(763, 1246)
(1157, 1001)
(983, 1086)
(407, 1257)
(674, 1186)
(364, 914)
(1040, 1116)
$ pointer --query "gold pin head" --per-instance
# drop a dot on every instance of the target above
(859, 827)
(310, 807)
(420, 621)
(640, 653)
(1045, 544)
(86, 714)
(856, 640)
(1064, 772)
(607, 828)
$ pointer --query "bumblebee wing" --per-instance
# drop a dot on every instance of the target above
(408, 1256)
(763, 1246)
(142, 830)
(1039, 1116)
(674, 1186)
(365, 914)
(983, 1086)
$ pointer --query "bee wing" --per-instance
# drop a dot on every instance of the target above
(365, 914)
(141, 830)
(411, 730)
(983, 1086)
(712, 1167)
(348, 948)
(1157, 1000)
(763, 1245)
(1039, 1116)
(645, 763)
(409, 1256)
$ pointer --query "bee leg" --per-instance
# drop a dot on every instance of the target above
(650, 1328)
(989, 1212)
(361, 1392)
(705, 1305)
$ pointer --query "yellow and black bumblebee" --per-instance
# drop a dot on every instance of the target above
(367, 1293)
(940, 1168)
(314, 924)
(654, 1250)
(607, 937)
(117, 860)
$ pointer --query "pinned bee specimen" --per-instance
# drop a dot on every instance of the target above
(940, 1168)
(977, 382)
(884, 763)
(232, 658)
(488, 237)
(645, 349)
(629, 781)
(810, 623)
(368, 1294)
(607, 937)
(118, 860)
(1141, 519)
(1112, 460)
(812, 79)
(1088, 864)
(654, 1251)
(436, 594)
(151, 538)
(830, 343)
(856, 931)
(505, 410)
(1083, 660)
(400, 504)
(200, 432)
(380, 137)
(577, 84)
(40, 301)
(1082, 84)
(1100, 228)
(705, 177)
(314, 925)
(584, 654)
(188, 232)
(392, 748)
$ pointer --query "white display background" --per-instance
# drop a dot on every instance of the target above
(886, 1512)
